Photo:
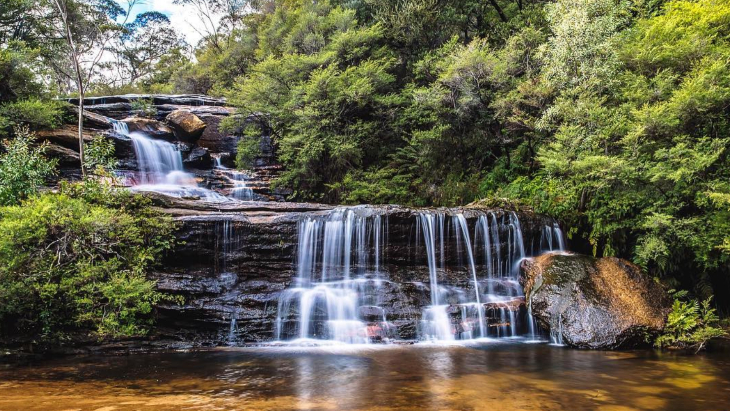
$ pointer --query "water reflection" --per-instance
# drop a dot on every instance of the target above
(421, 377)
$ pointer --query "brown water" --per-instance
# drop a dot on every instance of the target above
(494, 376)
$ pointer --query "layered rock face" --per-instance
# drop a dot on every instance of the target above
(239, 262)
(603, 303)
(192, 123)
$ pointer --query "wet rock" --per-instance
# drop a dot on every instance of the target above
(199, 157)
(157, 99)
(186, 125)
(153, 128)
(214, 139)
(236, 260)
(91, 119)
(604, 303)
(116, 111)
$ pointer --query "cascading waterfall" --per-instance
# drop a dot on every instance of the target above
(338, 277)
(492, 308)
(473, 286)
(241, 190)
(161, 169)
(159, 162)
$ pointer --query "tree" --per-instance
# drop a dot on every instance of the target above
(139, 47)
(87, 27)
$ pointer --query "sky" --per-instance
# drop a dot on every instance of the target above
(182, 18)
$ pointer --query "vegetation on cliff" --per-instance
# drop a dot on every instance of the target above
(74, 263)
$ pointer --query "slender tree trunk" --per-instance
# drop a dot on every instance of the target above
(499, 10)
(79, 79)
(81, 132)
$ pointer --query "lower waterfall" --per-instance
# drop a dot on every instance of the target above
(346, 288)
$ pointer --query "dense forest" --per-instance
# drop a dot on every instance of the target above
(612, 116)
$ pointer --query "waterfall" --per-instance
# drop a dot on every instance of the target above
(159, 162)
(490, 263)
(472, 267)
(551, 239)
(233, 330)
(160, 167)
(241, 190)
(338, 280)
(471, 291)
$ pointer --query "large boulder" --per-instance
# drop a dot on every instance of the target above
(214, 139)
(603, 303)
(150, 127)
(186, 125)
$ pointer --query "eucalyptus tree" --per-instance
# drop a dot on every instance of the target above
(87, 26)
(135, 53)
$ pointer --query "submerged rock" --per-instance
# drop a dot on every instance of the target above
(603, 303)
(186, 125)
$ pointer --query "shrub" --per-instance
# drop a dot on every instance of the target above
(23, 168)
(690, 324)
(35, 114)
(99, 156)
(144, 107)
(249, 147)
(75, 263)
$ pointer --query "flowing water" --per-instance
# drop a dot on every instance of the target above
(240, 190)
(338, 280)
(473, 278)
(491, 376)
(160, 168)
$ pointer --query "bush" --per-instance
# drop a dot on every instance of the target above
(99, 156)
(23, 168)
(35, 114)
(249, 147)
(75, 263)
(690, 324)
(144, 107)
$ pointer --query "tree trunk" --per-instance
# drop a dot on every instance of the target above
(81, 132)
(499, 10)
(79, 78)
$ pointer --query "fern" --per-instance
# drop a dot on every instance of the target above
(690, 324)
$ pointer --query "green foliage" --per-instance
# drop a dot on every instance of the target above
(635, 157)
(35, 114)
(76, 262)
(690, 324)
(23, 167)
(249, 147)
(144, 107)
(99, 156)
(323, 85)
(19, 72)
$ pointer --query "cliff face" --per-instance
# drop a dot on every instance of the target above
(236, 263)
